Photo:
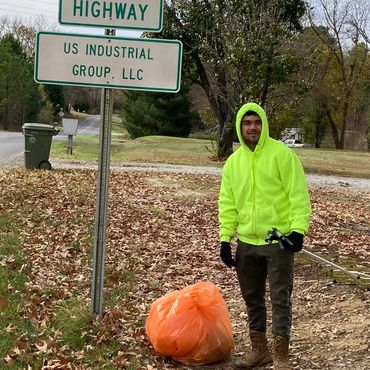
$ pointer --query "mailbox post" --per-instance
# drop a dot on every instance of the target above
(70, 129)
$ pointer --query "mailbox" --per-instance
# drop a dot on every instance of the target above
(70, 126)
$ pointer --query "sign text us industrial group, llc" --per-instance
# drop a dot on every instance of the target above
(116, 62)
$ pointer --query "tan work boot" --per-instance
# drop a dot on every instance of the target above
(258, 355)
(280, 351)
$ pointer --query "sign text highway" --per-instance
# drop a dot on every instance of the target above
(144, 15)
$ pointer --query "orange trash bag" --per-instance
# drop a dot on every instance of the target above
(191, 325)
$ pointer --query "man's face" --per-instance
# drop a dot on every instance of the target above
(251, 127)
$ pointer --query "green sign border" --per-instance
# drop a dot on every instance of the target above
(163, 41)
(110, 26)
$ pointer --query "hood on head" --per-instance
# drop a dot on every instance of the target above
(254, 107)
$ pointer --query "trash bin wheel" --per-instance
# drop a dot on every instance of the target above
(45, 165)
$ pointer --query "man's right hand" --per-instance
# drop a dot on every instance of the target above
(296, 240)
(225, 254)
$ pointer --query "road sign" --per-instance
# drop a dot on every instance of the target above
(133, 14)
(111, 62)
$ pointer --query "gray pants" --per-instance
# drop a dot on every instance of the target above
(254, 264)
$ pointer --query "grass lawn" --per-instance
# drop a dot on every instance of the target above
(162, 149)
(199, 152)
(154, 149)
(331, 161)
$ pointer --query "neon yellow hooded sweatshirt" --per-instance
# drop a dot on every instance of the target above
(262, 189)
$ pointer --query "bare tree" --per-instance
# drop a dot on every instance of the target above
(25, 30)
(346, 22)
(234, 48)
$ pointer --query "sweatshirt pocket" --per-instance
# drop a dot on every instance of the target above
(245, 221)
(266, 218)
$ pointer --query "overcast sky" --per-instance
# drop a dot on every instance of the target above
(29, 10)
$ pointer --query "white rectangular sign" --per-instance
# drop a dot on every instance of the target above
(144, 15)
(110, 62)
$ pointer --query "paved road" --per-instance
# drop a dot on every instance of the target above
(12, 143)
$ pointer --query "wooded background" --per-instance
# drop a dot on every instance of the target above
(307, 63)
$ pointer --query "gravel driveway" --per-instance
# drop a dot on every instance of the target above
(351, 183)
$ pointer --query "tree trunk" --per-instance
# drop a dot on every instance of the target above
(317, 134)
(225, 137)
(226, 132)
(345, 117)
(218, 100)
(266, 83)
(225, 142)
(333, 127)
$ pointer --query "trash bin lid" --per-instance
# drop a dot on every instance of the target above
(38, 126)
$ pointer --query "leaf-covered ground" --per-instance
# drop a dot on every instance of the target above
(162, 236)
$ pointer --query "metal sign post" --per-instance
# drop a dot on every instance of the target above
(102, 199)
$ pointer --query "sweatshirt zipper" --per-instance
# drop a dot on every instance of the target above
(254, 201)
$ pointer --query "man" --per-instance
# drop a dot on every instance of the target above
(263, 186)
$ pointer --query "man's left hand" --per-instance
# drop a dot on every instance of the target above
(297, 242)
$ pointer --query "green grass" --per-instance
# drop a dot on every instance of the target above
(104, 351)
(73, 320)
(199, 152)
(119, 283)
(13, 290)
(331, 161)
(85, 148)
(153, 149)
(162, 149)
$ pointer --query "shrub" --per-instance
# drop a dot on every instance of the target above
(158, 114)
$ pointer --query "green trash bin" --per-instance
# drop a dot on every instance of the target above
(37, 144)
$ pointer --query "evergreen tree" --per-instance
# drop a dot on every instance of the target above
(158, 114)
(56, 97)
(20, 98)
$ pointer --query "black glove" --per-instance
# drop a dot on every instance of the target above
(296, 240)
(225, 254)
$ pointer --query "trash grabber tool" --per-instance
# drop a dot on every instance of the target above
(275, 234)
